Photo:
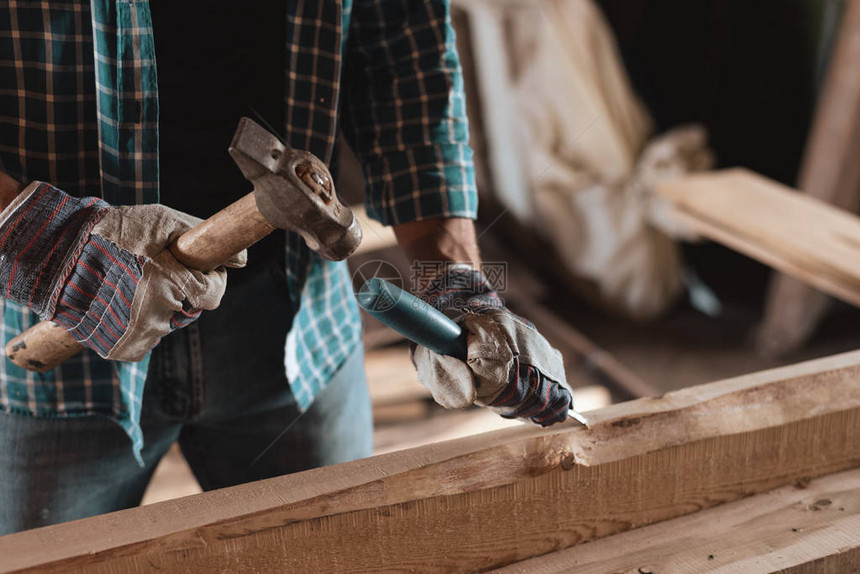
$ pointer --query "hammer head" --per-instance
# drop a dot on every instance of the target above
(294, 190)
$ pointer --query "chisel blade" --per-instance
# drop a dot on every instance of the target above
(577, 417)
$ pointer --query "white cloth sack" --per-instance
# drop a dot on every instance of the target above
(590, 161)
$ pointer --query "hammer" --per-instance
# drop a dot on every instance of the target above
(293, 190)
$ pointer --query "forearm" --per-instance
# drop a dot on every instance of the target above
(9, 189)
(441, 240)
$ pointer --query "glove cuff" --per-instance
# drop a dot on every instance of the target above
(532, 395)
(94, 302)
(41, 237)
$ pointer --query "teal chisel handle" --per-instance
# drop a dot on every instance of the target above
(412, 317)
(418, 321)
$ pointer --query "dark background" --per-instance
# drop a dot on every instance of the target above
(748, 71)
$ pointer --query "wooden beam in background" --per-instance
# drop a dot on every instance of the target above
(489, 500)
(794, 233)
(830, 171)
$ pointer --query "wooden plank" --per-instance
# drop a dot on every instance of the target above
(490, 500)
(830, 172)
(763, 253)
(811, 240)
(436, 424)
(795, 529)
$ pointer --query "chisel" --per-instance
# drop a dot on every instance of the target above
(419, 322)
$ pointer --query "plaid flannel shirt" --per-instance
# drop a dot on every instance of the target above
(79, 109)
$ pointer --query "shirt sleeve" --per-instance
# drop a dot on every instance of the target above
(405, 111)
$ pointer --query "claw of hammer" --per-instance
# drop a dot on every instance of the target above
(294, 190)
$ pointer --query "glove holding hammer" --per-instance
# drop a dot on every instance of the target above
(104, 273)
(117, 279)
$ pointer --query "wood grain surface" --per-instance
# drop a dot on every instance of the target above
(490, 500)
(811, 240)
(215, 240)
(42, 347)
(804, 528)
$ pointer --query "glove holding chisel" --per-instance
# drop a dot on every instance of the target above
(509, 367)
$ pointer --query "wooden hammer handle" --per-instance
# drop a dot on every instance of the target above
(206, 246)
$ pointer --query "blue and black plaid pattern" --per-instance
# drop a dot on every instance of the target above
(405, 111)
(48, 121)
(53, 115)
(79, 109)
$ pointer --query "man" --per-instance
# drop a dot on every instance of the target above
(271, 381)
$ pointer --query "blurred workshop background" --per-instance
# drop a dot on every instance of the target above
(578, 110)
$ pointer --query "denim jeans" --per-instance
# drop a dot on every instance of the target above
(219, 389)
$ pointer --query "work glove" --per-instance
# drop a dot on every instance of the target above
(102, 272)
(510, 367)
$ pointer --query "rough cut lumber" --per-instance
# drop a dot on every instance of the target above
(830, 171)
(806, 238)
(489, 500)
(796, 529)
(438, 424)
